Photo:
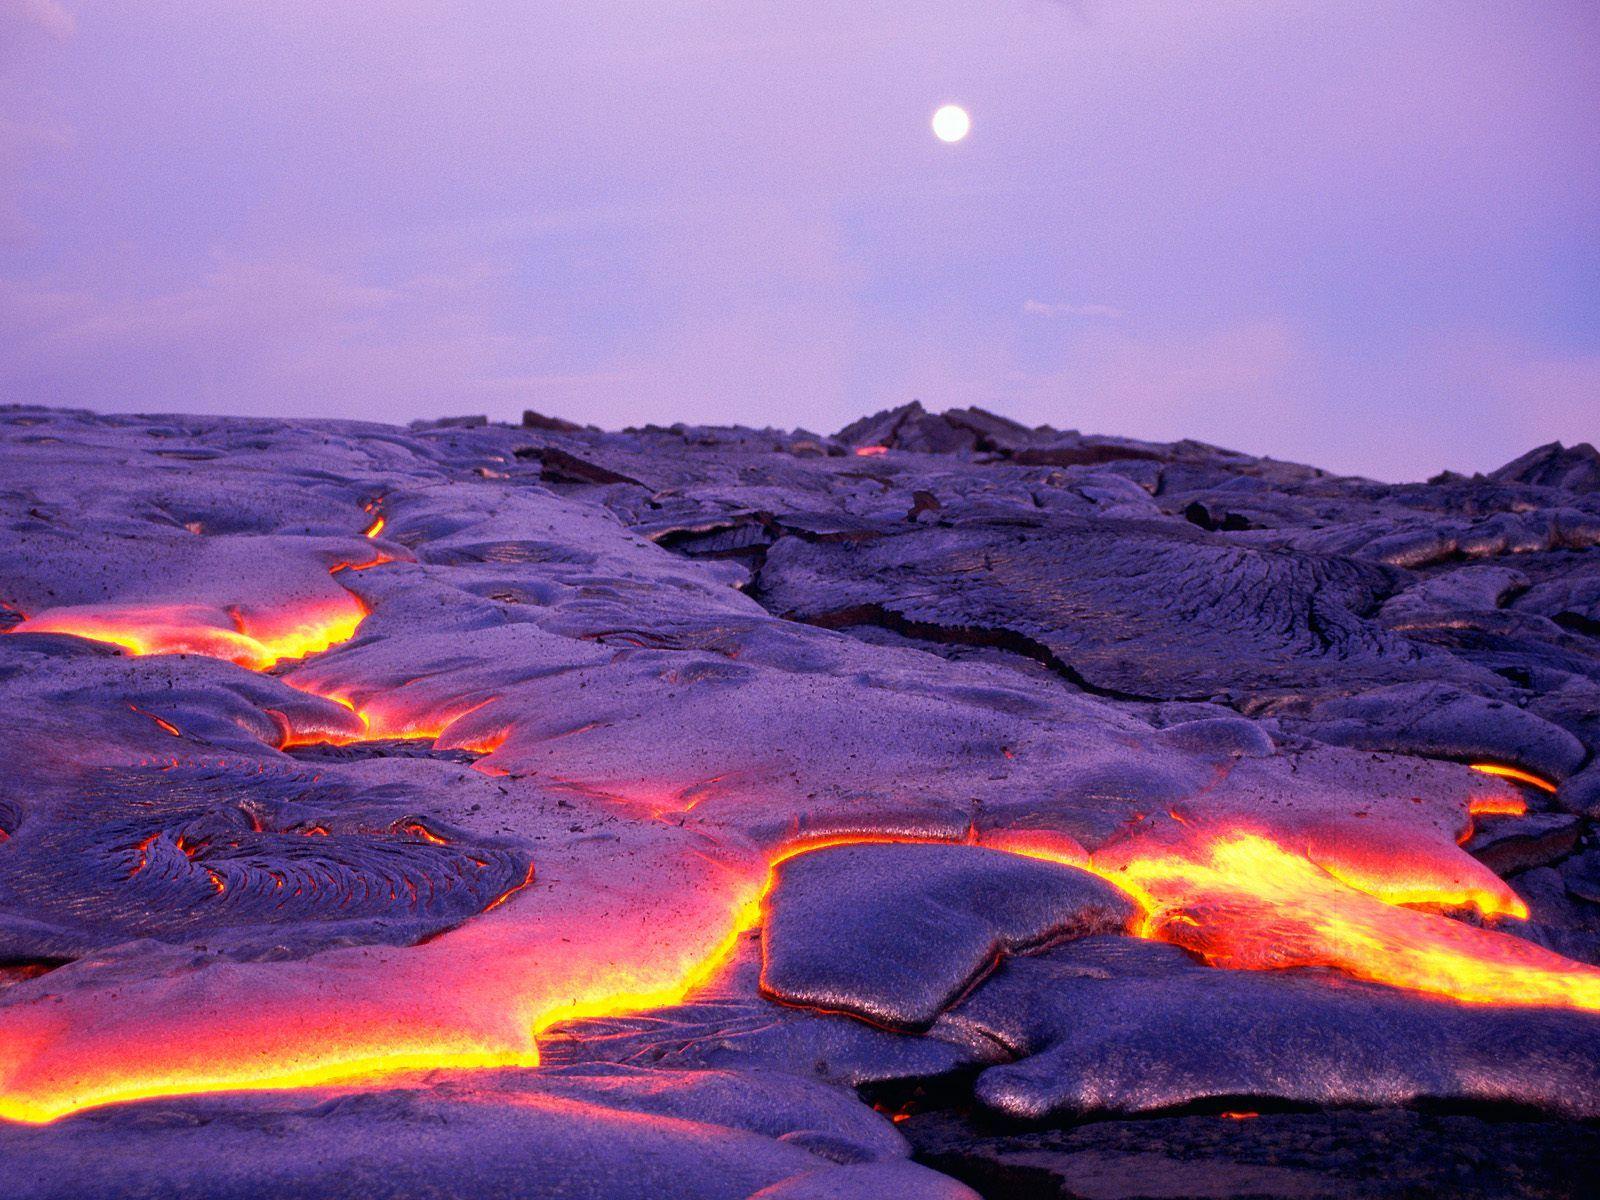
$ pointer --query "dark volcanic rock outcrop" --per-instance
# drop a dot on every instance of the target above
(1129, 610)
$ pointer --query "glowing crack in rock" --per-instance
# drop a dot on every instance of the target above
(1513, 773)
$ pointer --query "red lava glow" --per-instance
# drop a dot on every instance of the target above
(1498, 806)
(1238, 899)
(1241, 900)
(478, 997)
(1040, 843)
(386, 722)
(377, 560)
(870, 451)
(418, 830)
(374, 529)
(253, 642)
(1504, 772)
(166, 726)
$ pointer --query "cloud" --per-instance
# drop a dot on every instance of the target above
(49, 15)
(1250, 386)
(275, 336)
(1510, 396)
(18, 141)
(1038, 308)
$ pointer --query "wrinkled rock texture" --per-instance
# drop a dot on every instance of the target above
(940, 808)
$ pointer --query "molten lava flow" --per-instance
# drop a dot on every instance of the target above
(1520, 776)
(476, 997)
(374, 529)
(256, 640)
(253, 642)
(1241, 900)
(482, 995)
(1398, 870)
(385, 721)
(1498, 806)
(870, 451)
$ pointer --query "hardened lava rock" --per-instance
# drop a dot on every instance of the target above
(595, 1135)
(274, 861)
(1125, 609)
(1339, 1154)
(895, 933)
(532, 811)
(1120, 1026)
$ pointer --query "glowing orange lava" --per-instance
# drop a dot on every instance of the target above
(1498, 806)
(1241, 900)
(382, 721)
(870, 451)
(378, 559)
(1399, 872)
(477, 997)
(1520, 776)
(164, 726)
(1238, 899)
(253, 642)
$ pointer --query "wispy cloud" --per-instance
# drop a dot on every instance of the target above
(1096, 312)
(268, 336)
(49, 15)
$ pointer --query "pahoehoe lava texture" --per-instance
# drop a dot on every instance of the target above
(1127, 609)
(521, 811)
(894, 933)
(184, 856)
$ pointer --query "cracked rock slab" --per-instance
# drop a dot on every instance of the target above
(1113, 1026)
(895, 933)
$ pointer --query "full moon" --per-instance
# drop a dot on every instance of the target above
(951, 123)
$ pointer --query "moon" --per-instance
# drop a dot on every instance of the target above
(951, 123)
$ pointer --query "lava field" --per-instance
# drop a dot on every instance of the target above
(941, 808)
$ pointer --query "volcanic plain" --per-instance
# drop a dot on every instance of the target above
(938, 808)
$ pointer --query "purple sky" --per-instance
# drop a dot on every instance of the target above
(1365, 235)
